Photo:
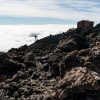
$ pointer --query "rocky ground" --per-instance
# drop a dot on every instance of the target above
(59, 67)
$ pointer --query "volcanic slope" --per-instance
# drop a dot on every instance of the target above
(58, 67)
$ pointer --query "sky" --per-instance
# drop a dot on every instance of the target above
(20, 18)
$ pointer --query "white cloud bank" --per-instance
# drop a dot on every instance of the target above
(18, 35)
(62, 9)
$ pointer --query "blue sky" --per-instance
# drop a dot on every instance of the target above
(48, 11)
(34, 20)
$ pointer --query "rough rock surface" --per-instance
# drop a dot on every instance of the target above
(59, 67)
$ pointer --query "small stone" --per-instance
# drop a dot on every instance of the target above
(26, 92)
(24, 75)
(8, 81)
(15, 78)
(11, 98)
(3, 78)
(15, 94)
(47, 97)
(35, 76)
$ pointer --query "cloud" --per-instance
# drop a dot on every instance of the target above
(18, 35)
(64, 9)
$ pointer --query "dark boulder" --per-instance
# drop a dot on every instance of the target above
(74, 42)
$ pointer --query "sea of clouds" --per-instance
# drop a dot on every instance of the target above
(18, 35)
